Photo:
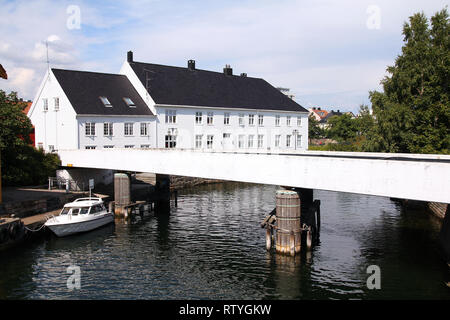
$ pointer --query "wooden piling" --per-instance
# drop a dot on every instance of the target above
(288, 212)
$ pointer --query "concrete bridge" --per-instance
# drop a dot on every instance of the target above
(404, 176)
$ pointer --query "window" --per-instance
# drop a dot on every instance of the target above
(260, 140)
(250, 141)
(198, 141)
(171, 138)
(299, 141)
(299, 121)
(171, 116)
(106, 102)
(129, 146)
(145, 146)
(198, 118)
(288, 121)
(227, 135)
(277, 140)
(277, 120)
(90, 128)
(144, 129)
(56, 101)
(45, 102)
(128, 128)
(288, 140)
(51, 148)
(209, 141)
(241, 119)
(90, 147)
(108, 147)
(226, 118)
(241, 141)
(108, 129)
(129, 102)
(40, 146)
(260, 120)
(209, 119)
(251, 119)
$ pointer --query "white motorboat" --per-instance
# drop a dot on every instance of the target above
(84, 214)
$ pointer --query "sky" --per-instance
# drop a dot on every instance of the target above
(330, 54)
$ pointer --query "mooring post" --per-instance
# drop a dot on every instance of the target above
(122, 193)
(268, 238)
(288, 238)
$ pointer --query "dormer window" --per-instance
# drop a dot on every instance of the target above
(106, 102)
(129, 102)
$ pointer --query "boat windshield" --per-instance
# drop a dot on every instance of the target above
(75, 211)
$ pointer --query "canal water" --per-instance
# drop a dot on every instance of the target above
(212, 247)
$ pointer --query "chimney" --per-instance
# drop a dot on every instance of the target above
(228, 70)
(130, 56)
(191, 64)
(243, 74)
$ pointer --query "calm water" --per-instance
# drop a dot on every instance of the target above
(211, 247)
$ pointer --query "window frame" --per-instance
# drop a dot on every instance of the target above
(128, 129)
(108, 128)
(89, 129)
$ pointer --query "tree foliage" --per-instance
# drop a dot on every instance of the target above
(413, 111)
(21, 163)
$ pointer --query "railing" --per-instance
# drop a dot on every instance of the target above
(67, 184)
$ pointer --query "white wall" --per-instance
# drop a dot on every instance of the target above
(118, 140)
(53, 128)
(187, 128)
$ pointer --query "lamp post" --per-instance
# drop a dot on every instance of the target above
(295, 139)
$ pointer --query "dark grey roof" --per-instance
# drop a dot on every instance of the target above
(83, 90)
(329, 115)
(182, 86)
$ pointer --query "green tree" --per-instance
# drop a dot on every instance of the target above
(21, 163)
(342, 128)
(412, 113)
(314, 130)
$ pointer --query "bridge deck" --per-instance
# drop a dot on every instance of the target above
(407, 176)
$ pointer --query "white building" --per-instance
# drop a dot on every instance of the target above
(156, 106)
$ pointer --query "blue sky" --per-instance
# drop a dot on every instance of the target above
(329, 53)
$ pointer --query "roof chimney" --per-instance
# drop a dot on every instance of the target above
(130, 56)
(243, 74)
(228, 70)
(191, 64)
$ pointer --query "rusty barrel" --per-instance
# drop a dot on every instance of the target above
(288, 238)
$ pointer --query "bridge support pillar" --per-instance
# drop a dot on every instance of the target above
(162, 193)
(444, 235)
(122, 194)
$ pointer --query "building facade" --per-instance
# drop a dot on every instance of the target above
(155, 106)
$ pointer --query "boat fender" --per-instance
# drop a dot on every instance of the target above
(13, 231)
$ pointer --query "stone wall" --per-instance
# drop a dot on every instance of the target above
(438, 209)
(180, 182)
(26, 208)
